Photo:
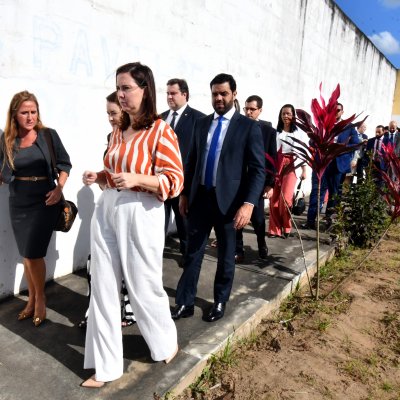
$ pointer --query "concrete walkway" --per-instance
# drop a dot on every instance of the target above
(47, 362)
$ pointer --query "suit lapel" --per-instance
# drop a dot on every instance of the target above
(203, 138)
(233, 125)
(183, 117)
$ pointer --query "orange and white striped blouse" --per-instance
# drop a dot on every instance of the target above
(153, 151)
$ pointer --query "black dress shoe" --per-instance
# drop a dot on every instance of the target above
(182, 312)
(217, 312)
(263, 252)
(307, 225)
(239, 258)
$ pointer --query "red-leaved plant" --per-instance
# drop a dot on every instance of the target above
(322, 148)
(276, 171)
(391, 177)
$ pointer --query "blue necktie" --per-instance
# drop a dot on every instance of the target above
(208, 176)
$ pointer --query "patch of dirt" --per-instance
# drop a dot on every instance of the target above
(344, 347)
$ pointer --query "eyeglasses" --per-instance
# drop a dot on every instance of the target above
(127, 88)
(252, 109)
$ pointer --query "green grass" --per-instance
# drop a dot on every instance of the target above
(387, 387)
(323, 324)
(357, 369)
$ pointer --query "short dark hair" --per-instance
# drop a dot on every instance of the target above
(380, 126)
(222, 78)
(340, 104)
(112, 98)
(255, 98)
(293, 126)
(183, 86)
(143, 76)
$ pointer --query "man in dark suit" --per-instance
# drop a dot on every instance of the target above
(340, 166)
(181, 118)
(224, 177)
(396, 142)
(389, 136)
(253, 109)
(374, 148)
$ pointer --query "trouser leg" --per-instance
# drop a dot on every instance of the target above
(103, 349)
(226, 236)
(288, 185)
(140, 235)
(275, 224)
(200, 222)
(167, 209)
(258, 222)
(181, 225)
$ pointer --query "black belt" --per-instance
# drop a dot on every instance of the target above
(204, 189)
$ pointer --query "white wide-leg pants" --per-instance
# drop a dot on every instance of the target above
(127, 241)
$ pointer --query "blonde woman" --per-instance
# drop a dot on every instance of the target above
(35, 192)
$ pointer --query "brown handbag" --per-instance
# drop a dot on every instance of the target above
(68, 209)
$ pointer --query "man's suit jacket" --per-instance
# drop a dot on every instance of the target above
(269, 138)
(370, 151)
(241, 166)
(184, 128)
(371, 145)
(350, 137)
(397, 144)
(387, 138)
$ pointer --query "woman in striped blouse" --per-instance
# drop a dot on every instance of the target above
(142, 168)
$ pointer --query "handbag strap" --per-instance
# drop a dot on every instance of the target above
(49, 141)
(298, 189)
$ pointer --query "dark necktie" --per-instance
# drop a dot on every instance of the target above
(377, 147)
(208, 176)
(172, 124)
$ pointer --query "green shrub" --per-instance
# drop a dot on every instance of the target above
(362, 213)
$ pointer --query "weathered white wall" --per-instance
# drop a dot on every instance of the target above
(66, 53)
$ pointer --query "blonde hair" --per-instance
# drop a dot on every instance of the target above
(11, 129)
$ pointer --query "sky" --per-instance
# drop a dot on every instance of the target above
(380, 21)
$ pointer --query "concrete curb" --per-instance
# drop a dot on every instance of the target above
(241, 324)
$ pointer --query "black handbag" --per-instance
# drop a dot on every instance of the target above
(299, 203)
(69, 210)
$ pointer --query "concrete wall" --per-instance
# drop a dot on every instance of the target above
(66, 53)
(396, 100)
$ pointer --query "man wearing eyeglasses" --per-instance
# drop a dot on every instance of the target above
(253, 109)
(181, 118)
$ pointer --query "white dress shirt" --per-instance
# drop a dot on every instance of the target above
(179, 112)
